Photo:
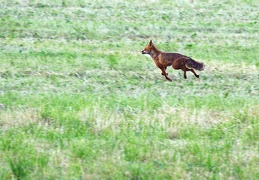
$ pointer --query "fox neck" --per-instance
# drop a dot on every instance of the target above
(155, 52)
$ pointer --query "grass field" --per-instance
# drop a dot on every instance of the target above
(78, 100)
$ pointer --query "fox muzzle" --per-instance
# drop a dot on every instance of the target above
(144, 52)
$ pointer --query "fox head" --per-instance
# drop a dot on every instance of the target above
(148, 48)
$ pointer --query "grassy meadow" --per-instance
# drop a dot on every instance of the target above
(79, 101)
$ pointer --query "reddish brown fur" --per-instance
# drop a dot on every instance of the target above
(176, 60)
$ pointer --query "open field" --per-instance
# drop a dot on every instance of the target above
(78, 100)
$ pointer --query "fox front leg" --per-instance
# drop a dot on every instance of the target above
(165, 74)
(165, 70)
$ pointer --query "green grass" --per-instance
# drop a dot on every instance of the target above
(79, 101)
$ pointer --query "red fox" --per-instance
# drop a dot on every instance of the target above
(176, 60)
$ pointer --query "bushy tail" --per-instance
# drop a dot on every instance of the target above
(192, 64)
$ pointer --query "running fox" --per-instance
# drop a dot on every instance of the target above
(176, 60)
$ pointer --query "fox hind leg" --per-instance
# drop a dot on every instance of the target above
(197, 76)
(184, 74)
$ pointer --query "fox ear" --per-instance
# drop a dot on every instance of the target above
(150, 43)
